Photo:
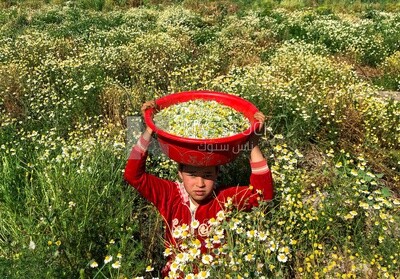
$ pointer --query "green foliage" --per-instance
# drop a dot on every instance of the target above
(71, 75)
(391, 72)
(65, 212)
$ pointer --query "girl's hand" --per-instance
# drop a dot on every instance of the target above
(145, 106)
(255, 153)
(260, 117)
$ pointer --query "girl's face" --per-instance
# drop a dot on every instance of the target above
(198, 181)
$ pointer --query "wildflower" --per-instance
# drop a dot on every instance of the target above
(190, 276)
(298, 153)
(363, 205)
(174, 266)
(71, 204)
(93, 264)
(338, 165)
(32, 245)
(271, 267)
(177, 233)
(49, 242)
(194, 252)
(207, 259)
(167, 252)
(262, 236)
(119, 255)
(383, 216)
(285, 250)
(185, 234)
(300, 269)
(216, 239)
(282, 258)
(353, 213)
(354, 172)
(220, 233)
(112, 241)
(208, 243)
(184, 227)
(58, 242)
(220, 215)
(149, 268)
(203, 274)
(370, 174)
(108, 259)
(272, 246)
(213, 222)
(239, 230)
(181, 257)
(116, 265)
(234, 224)
(194, 224)
(348, 216)
(249, 257)
(228, 202)
(196, 243)
(376, 206)
(251, 233)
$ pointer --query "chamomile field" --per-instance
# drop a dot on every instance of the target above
(73, 77)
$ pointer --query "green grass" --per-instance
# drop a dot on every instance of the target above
(71, 75)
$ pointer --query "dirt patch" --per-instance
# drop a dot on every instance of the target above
(367, 72)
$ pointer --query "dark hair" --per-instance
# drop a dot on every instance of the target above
(181, 166)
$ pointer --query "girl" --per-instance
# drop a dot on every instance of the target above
(196, 196)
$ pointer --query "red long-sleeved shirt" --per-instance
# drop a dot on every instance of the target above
(172, 200)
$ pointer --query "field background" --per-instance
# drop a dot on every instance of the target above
(326, 72)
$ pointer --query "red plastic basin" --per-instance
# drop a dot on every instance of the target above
(203, 152)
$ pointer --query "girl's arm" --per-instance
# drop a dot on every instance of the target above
(255, 153)
(261, 183)
(261, 177)
(156, 190)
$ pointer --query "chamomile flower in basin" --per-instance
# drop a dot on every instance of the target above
(202, 128)
(201, 119)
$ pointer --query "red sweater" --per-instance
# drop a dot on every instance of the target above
(172, 200)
